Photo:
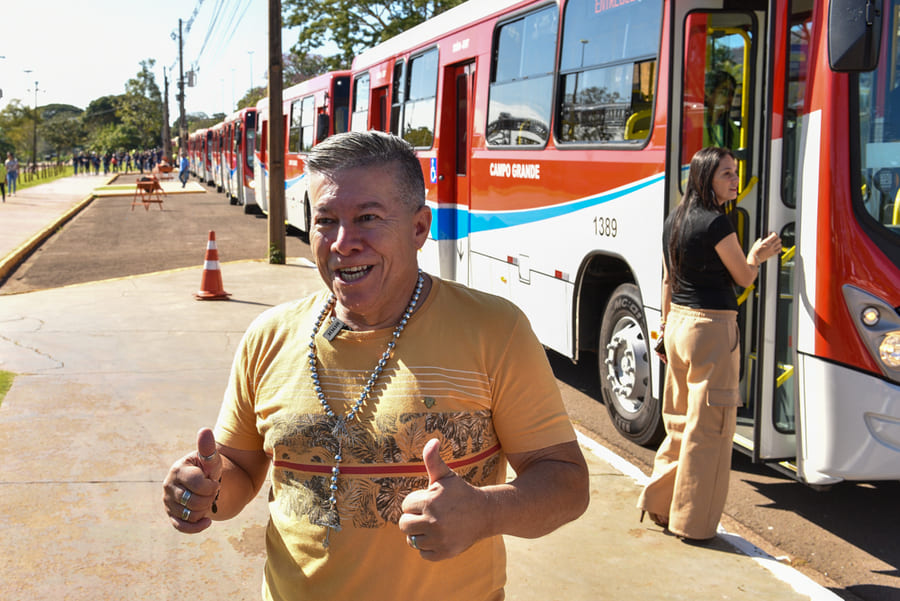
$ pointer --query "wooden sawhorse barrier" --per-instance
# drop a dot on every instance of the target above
(148, 191)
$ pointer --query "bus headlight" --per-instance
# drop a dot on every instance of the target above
(878, 324)
(870, 316)
(889, 349)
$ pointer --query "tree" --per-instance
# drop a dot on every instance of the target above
(354, 25)
(100, 112)
(298, 68)
(141, 108)
(16, 128)
(63, 131)
(252, 96)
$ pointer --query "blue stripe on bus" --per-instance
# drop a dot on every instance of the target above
(452, 223)
(294, 180)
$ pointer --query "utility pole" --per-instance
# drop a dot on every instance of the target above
(182, 121)
(166, 137)
(276, 138)
(34, 139)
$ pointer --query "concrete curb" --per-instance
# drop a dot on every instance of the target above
(12, 260)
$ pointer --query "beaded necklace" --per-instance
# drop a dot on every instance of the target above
(340, 427)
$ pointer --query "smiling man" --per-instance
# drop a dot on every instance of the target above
(387, 408)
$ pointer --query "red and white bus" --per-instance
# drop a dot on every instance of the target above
(217, 155)
(555, 136)
(207, 149)
(312, 110)
(239, 146)
(195, 151)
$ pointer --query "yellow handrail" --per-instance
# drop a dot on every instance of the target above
(896, 218)
(745, 88)
(786, 255)
(753, 181)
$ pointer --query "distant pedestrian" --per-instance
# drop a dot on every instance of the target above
(75, 161)
(3, 180)
(12, 173)
(183, 170)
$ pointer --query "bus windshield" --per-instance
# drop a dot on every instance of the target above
(879, 132)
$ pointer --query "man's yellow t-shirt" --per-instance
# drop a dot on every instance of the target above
(467, 369)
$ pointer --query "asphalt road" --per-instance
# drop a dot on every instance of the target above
(846, 538)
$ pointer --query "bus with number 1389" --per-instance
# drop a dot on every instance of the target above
(555, 139)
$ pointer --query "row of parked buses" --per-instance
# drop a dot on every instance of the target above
(223, 156)
(554, 139)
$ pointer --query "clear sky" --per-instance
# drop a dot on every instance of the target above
(80, 51)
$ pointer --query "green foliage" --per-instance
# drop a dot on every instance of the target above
(101, 112)
(121, 137)
(276, 256)
(140, 109)
(299, 68)
(252, 96)
(62, 131)
(16, 129)
(6, 380)
(354, 25)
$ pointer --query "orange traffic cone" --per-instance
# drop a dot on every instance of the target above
(211, 282)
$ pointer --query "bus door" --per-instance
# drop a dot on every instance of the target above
(454, 150)
(721, 80)
(238, 164)
(378, 106)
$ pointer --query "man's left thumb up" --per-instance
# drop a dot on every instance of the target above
(436, 467)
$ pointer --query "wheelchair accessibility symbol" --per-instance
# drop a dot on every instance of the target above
(434, 170)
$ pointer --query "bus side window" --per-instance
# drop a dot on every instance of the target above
(397, 97)
(419, 109)
(294, 130)
(359, 120)
(608, 71)
(522, 80)
(716, 106)
(307, 120)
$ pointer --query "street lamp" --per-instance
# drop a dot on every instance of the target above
(35, 118)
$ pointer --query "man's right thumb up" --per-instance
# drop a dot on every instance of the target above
(210, 460)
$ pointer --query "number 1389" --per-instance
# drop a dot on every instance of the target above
(606, 226)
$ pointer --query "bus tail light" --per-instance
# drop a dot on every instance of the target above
(878, 324)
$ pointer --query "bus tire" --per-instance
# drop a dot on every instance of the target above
(624, 356)
(307, 215)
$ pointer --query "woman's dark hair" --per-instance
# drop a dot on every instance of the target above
(698, 195)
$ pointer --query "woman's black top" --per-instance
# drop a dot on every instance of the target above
(704, 282)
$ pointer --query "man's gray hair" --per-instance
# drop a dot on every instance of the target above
(371, 149)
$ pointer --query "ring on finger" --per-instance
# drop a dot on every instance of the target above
(185, 514)
(414, 542)
(185, 498)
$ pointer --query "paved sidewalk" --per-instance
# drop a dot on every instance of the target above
(33, 213)
(114, 379)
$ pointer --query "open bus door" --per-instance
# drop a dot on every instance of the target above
(452, 170)
(714, 50)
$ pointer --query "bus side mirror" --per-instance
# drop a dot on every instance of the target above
(854, 34)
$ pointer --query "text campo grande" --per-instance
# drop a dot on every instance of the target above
(516, 170)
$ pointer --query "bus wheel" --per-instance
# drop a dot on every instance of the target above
(624, 368)
(307, 214)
